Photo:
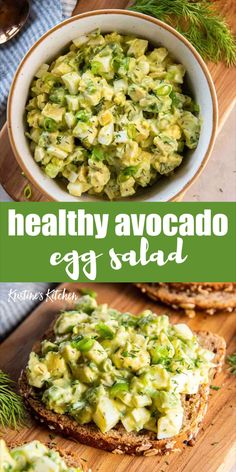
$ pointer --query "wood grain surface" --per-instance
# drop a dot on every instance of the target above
(215, 447)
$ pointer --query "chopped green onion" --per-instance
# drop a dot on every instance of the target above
(84, 345)
(163, 90)
(27, 192)
(129, 171)
(97, 154)
(104, 331)
(119, 387)
(82, 115)
(96, 68)
(49, 125)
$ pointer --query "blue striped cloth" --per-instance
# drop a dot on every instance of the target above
(44, 14)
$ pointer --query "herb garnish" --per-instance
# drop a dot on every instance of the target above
(215, 387)
(232, 362)
(199, 21)
(28, 192)
(12, 410)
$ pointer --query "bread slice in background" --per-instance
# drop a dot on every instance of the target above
(70, 459)
(210, 297)
(118, 440)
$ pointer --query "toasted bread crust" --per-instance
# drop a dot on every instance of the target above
(118, 440)
(210, 297)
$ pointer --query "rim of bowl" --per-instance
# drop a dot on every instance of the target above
(137, 15)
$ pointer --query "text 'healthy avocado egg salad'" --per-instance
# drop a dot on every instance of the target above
(33, 457)
(108, 367)
(110, 116)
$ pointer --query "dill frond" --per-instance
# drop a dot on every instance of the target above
(12, 410)
(199, 21)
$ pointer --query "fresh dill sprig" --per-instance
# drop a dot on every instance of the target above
(232, 362)
(12, 410)
(199, 21)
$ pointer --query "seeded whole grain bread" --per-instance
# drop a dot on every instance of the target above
(118, 440)
(210, 297)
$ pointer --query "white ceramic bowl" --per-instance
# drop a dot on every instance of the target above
(125, 22)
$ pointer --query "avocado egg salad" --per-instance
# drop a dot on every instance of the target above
(110, 116)
(107, 367)
(33, 457)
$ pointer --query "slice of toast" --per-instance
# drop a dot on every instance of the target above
(118, 440)
(210, 297)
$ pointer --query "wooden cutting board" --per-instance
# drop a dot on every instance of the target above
(11, 176)
(215, 448)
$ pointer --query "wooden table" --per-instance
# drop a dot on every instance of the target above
(215, 448)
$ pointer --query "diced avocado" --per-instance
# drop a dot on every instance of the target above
(57, 398)
(83, 39)
(85, 373)
(164, 401)
(47, 346)
(101, 65)
(42, 70)
(86, 303)
(37, 371)
(106, 415)
(70, 353)
(96, 354)
(52, 110)
(136, 419)
(68, 320)
(56, 365)
(137, 47)
(57, 95)
(7, 463)
(83, 416)
(157, 376)
(72, 102)
(158, 55)
(170, 424)
(190, 126)
(176, 73)
(183, 331)
(52, 170)
(61, 69)
(140, 400)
